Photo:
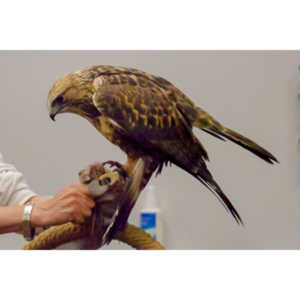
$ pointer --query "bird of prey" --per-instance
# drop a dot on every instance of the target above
(147, 117)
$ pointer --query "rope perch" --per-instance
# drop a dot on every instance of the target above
(105, 212)
(61, 234)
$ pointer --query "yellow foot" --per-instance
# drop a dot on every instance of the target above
(109, 178)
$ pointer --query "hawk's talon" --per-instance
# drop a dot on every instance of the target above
(104, 181)
(109, 178)
(118, 167)
(113, 163)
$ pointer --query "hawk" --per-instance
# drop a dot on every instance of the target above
(149, 119)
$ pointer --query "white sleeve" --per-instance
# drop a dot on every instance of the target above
(13, 187)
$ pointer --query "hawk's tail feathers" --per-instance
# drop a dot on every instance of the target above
(200, 172)
(211, 126)
(248, 144)
(210, 183)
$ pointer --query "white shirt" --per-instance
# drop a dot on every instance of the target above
(13, 187)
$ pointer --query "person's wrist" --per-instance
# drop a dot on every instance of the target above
(38, 217)
(27, 228)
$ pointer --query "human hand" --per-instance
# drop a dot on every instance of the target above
(71, 204)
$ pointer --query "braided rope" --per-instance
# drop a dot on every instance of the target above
(61, 234)
(138, 238)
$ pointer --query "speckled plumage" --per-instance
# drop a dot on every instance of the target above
(148, 117)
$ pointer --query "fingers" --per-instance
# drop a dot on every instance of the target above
(77, 218)
(82, 207)
(95, 164)
(80, 191)
(83, 188)
(85, 208)
(79, 212)
(72, 203)
(86, 200)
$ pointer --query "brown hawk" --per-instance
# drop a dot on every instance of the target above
(147, 117)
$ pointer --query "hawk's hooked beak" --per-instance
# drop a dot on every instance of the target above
(52, 116)
(55, 109)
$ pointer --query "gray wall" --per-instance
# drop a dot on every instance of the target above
(254, 93)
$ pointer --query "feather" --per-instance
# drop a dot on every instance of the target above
(145, 115)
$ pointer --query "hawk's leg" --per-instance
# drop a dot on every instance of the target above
(105, 187)
(99, 181)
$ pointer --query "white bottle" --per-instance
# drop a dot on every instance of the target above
(150, 214)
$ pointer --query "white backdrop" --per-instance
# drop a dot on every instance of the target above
(254, 93)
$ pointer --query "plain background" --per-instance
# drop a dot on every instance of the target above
(255, 93)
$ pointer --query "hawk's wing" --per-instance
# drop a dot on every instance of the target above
(154, 116)
(146, 112)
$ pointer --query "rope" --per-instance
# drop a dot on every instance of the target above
(58, 235)
(61, 234)
(138, 238)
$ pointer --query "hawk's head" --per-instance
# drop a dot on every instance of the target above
(72, 93)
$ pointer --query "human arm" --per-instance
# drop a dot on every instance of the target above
(14, 193)
(11, 218)
(71, 203)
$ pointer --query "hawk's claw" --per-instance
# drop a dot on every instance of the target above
(104, 185)
(118, 167)
(109, 178)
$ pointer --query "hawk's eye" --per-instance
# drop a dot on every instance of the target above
(59, 99)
